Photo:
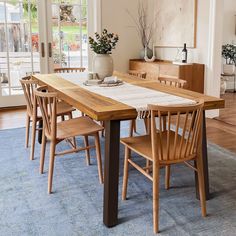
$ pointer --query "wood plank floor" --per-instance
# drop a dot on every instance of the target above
(221, 131)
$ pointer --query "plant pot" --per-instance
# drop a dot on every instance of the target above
(103, 65)
(223, 85)
(228, 69)
(149, 53)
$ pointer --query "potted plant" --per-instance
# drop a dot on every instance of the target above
(229, 54)
(102, 45)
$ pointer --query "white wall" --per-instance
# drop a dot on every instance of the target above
(116, 19)
(209, 33)
(229, 22)
(208, 48)
(229, 35)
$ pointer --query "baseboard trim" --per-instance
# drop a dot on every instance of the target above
(13, 108)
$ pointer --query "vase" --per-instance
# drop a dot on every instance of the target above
(223, 85)
(228, 69)
(149, 53)
(103, 65)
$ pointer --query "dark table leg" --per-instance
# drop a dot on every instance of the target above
(111, 173)
(205, 161)
(40, 131)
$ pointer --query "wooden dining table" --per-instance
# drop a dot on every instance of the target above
(112, 112)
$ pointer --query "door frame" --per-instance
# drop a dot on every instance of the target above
(14, 100)
(45, 37)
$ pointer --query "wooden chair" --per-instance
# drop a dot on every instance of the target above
(172, 81)
(140, 74)
(69, 70)
(165, 147)
(178, 83)
(33, 114)
(57, 132)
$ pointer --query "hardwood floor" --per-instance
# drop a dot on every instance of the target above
(221, 131)
(12, 118)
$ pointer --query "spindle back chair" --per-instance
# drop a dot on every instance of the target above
(69, 70)
(178, 83)
(177, 141)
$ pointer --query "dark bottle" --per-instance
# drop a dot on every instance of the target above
(184, 54)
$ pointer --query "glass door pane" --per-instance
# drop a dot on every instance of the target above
(69, 32)
(19, 46)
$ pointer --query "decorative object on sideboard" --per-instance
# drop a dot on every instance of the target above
(148, 59)
(229, 54)
(144, 28)
(102, 45)
(223, 84)
(149, 52)
(185, 54)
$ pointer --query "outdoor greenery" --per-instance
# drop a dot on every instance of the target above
(104, 43)
(229, 53)
(59, 57)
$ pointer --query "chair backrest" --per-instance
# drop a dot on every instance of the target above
(140, 74)
(47, 102)
(177, 138)
(175, 82)
(69, 70)
(29, 85)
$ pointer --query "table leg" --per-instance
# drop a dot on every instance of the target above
(111, 173)
(40, 131)
(205, 161)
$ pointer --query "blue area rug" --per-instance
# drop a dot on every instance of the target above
(76, 206)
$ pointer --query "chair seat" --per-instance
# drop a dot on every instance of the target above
(76, 127)
(62, 108)
(142, 146)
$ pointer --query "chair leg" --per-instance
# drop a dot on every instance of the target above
(167, 177)
(155, 197)
(33, 135)
(131, 128)
(134, 127)
(126, 173)
(148, 166)
(42, 156)
(103, 131)
(62, 118)
(201, 185)
(147, 125)
(99, 158)
(87, 151)
(27, 128)
(73, 139)
(164, 123)
(51, 166)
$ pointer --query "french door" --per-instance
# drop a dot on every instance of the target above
(37, 36)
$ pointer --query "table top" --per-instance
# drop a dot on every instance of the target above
(103, 108)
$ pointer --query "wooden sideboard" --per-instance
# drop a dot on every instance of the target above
(192, 73)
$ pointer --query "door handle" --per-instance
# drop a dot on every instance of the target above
(50, 49)
(42, 50)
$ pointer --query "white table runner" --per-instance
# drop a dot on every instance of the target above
(131, 95)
